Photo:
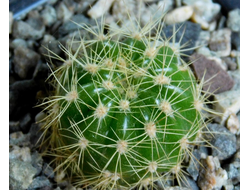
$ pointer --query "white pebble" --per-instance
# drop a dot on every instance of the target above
(233, 123)
(178, 15)
(20, 153)
(220, 42)
(212, 176)
(205, 12)
(228, 102)
(100, 8)
(233, 21)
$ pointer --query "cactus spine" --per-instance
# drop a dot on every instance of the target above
(124, 111)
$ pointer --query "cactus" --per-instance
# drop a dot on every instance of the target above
(125, 110)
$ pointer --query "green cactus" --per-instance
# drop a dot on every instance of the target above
(124, 110)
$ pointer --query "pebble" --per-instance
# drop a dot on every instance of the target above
(212, 56)
(71, 26)
(25, 61)
(178, 15)
(205, 12)
(203, 38)
(189, 183)
(20, 174)
(39, 182)
(20, 153)
(18, 42)
(23, 30)
(37, 162)
(194, 165)
(49, 44)
(233, 171)
(48, 15)
(228, 102)
(230, 62)
(99, 8)
(233, 21)
(219, 79)
(212, 176)
(233, 124)
(220, 42)
(48, 171)
(19, 139)
(223, 142)
(190, 30)
(63, 13)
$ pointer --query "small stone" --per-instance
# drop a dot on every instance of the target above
(228, 102)
(25, 61)
(49, 44)
(10, 22)
(19, 139)
(40, 116)
(233, 21)
(18, 42)
(233, 172)
(48, 171)
(203, 38)
(212, 176)
(231, 64)
(233, 123)
(222, 140)
(37, 162)
(20, 153)
(66, 41)
(194, 165)
(33, 28)
(39, 182)
(178, 15)
(187, 31)
(99, 8)
(220, 42)
(219, 79)
(49, 15)
(189, 183)
(212, 56)
(205, 12)
(20, 174)
(63, 13)
(74, 24)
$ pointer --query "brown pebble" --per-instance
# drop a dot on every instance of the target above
(216, 79)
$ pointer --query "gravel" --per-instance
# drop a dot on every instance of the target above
(49, 25)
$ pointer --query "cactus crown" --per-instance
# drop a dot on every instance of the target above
(124, 111)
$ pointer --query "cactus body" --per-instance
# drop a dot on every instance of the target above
(123, 113)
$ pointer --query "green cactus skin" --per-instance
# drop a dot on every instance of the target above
(124, 112)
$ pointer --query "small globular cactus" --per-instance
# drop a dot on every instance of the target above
(124, 111)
